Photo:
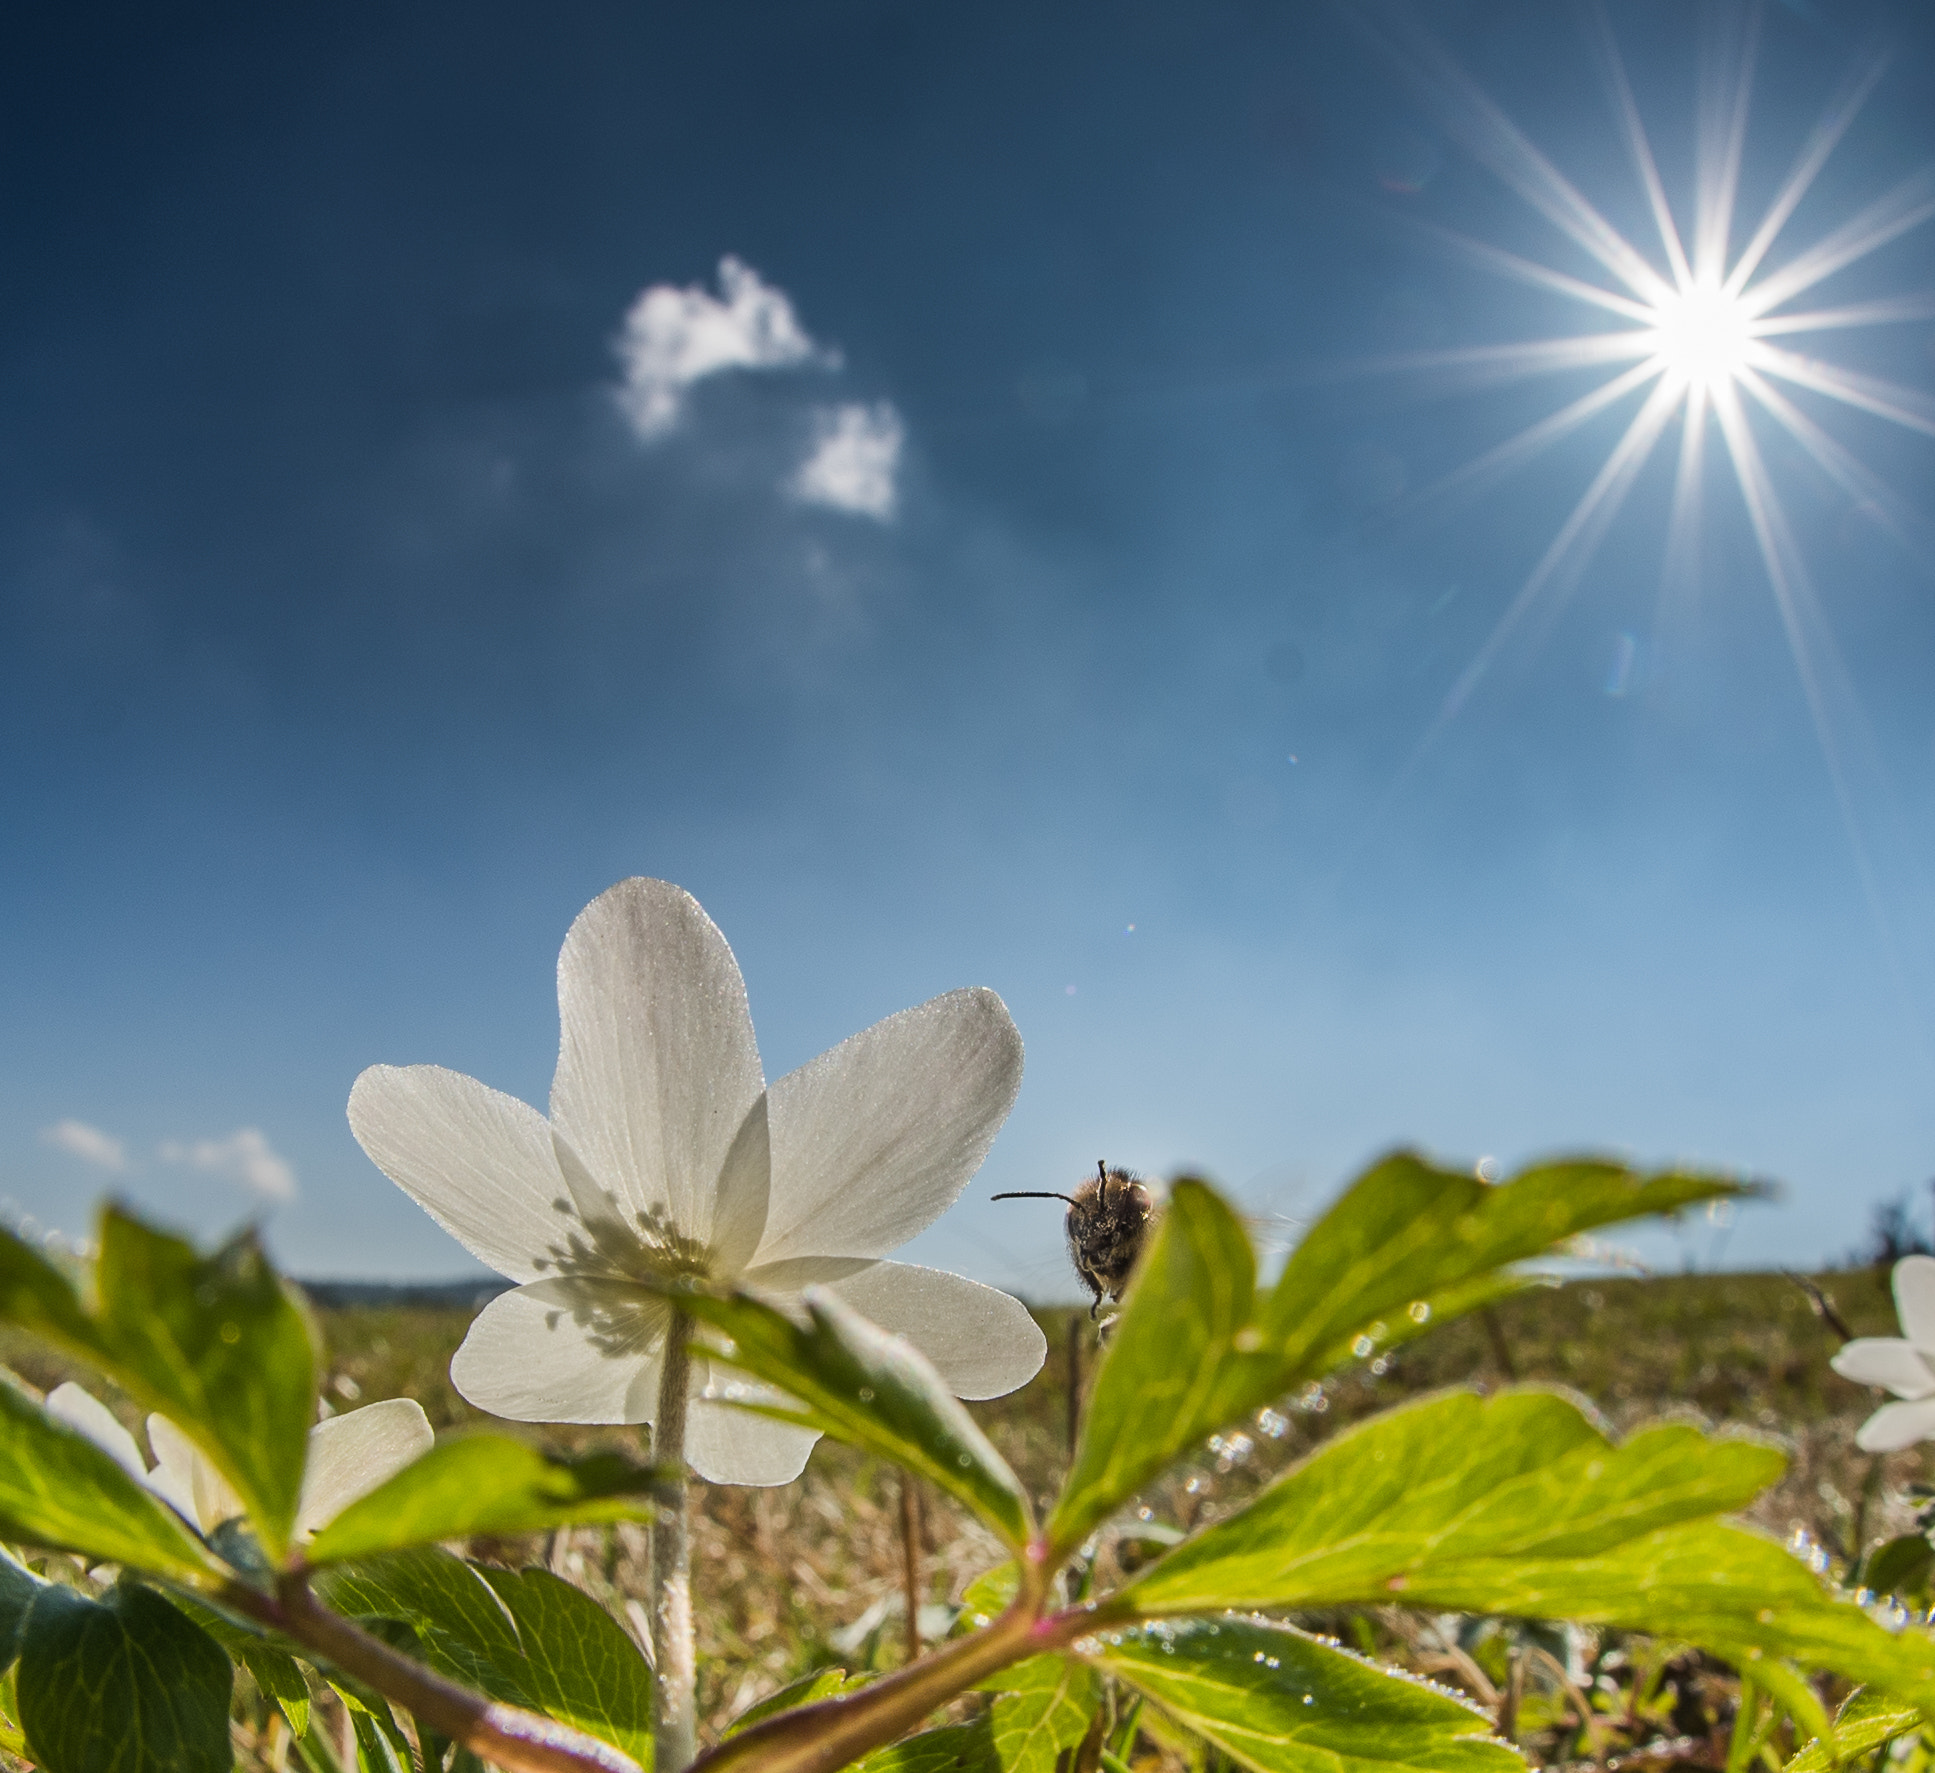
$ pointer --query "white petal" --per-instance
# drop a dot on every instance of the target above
(795, 1273)
(1886, 1361)
(873, 1141)
(1895, 1426)
(349, 1456)
(982, 1342)
(1915, 1299)
(83, 1412)
(728, 1445)
(657, 1066)
(187, 1480)
(477, 1161)
(531, 1357)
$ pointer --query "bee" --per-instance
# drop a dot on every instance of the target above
(1107, 1217)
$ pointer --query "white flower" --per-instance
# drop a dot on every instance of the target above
(1903, 1364)
(348, 1457)
(665, 1154)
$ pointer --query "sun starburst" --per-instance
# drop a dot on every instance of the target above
(1695, 337)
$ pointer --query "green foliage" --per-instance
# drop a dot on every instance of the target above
(526, 1637)
(61, 1491)
(854, 1380)
(822, 1683)
(216, 1343)
(1043, 1708)
(1195, 1349)
(1283, 1702)
(483, 1484)
(577, 1663)
(1900, 1567)
(1866, 1722)
(121, 1683)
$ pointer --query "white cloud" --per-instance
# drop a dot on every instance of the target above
(90, 1144)
(244, 1157)
(675, 337)
(855, 461)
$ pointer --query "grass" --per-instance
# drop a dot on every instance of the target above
(810, 1574)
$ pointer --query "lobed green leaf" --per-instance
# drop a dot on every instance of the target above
(61, 1491)
(1042, 1707)
(1449, 1482)
(1176, 1353)
(578, 1665)
(953, 1748)
(856, 1382)
(484, 1484)
(125, 1684)
(1406, 1245)
(223, 1349)
(1866, 1721)
(822, 1683)
(1518, 1505)
(1282, 1702)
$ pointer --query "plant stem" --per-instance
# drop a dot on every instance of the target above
(675, 1729)
(910, 1559)
(519, 1741)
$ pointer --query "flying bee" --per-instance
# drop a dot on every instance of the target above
(1107, 1217)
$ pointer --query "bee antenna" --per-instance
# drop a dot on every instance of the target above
(1034, 1194)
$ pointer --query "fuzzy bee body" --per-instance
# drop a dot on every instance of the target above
(1108, 1216)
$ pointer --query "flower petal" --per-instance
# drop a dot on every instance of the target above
(477, 1161)
(83, 1412)
(657, 1066)
(874, 1140)
(728, 1445)
(797, 1272)
(1915, 1299)
(349, 1456)
(536, 1355)
(186, 1479)
(1895, 1426)
(1886, 1361)
(983, 1343)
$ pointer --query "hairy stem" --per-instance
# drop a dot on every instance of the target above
(675, 1730)
(519, 1741)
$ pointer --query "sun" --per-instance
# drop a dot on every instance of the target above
(1703, 334)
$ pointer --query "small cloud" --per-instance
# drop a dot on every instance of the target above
(244, 1157)
(855, 461)
(675, 337)
(90, 1144)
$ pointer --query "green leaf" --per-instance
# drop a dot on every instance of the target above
(1407, 1231)
(1045, 1705)
(221, 1348)
(822, 1683)
(579, 1666)
(1866, 1721)
(861, 1385)
(1283, 1702)
(280, 1677)
(18, 1587)
(35, 1296)
(125, 1684)
(463, 1629)
(61, 1491)
(1899, 1567)
(1162, 1385)
(953, 1748)
(375, 1751)
(1448, 1482)
(987, 1597)
(483, 1484)
(1518, 1505)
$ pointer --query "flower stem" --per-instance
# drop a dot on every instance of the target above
(503, 1735)
(675, 1730)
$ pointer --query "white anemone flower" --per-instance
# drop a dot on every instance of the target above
(666, 1155)
(1903, 1364)
(349, 1456)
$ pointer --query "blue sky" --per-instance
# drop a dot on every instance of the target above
(1017, 583)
